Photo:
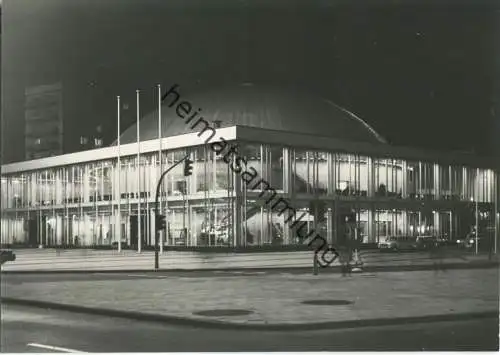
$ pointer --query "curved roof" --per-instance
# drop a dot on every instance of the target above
(256, 106)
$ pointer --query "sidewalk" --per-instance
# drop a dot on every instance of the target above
(275, 300)
(47, 260)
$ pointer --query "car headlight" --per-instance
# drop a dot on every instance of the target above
(459, 241)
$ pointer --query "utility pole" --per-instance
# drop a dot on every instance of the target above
(160, 219)
(161, 223)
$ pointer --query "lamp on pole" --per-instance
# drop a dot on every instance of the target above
(160, 219)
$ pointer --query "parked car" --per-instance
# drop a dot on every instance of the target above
(461, 242)
(483, 242)
(7, 255)
(397, 243)
(469, 242)
(124, 245)
(427, 242)
(445, 241)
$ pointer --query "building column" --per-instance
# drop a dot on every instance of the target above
(330, 186)
(372, 237)
(58, 188)
(437, 182)
(147, 230)
(452, 229)
(4, 228)
(33, 186)
(88, 231)
(191, 231)
(437, 222)
(261, 229)
(86, 188)
(496, 188)
(329, 223)
(286, 220)
(127, 225)
(371, 178)
(20, 227)
(152, 224)
(419, 222)
(334, 176)
(335, 220)
(239, 237)
(287, 171)
(404, 221)
(403, 181)
(58, 230)
(464, 189)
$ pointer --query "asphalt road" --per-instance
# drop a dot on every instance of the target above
(36, 330)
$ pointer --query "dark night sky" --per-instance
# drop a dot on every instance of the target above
(421, 73)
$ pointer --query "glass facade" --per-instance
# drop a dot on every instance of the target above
(91, 203)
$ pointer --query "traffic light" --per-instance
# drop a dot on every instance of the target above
(161, 223)
(188, 167)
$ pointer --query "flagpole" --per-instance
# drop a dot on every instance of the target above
(161, 162)
(119, 198)
(138, 171)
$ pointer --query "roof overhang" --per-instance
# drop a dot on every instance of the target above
(260, 135)
(168, 143)
(379, 150)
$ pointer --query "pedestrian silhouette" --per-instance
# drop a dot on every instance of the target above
(346, 258)
(437, 256)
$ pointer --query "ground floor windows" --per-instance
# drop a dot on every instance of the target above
(243, 222)
(289, 169)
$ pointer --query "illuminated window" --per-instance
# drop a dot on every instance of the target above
(98, 142)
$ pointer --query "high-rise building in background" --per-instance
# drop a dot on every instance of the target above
(43, 121)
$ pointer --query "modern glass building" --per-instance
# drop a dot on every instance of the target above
(320, 159)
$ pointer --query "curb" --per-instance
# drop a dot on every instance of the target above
(333, 269)
(186, 321)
